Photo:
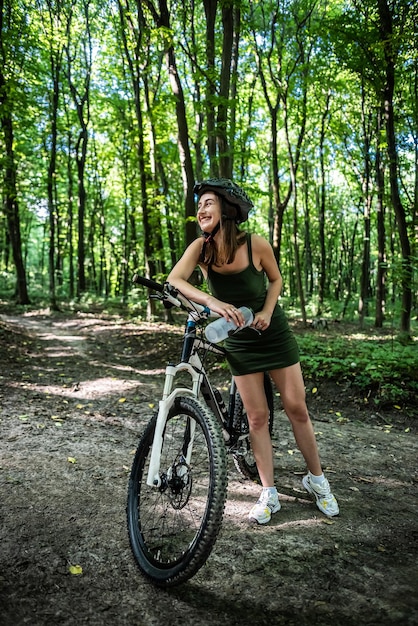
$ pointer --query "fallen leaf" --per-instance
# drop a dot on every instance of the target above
(76, 570)
(71, 459)
(122, 399)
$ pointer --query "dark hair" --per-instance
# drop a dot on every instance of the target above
(230, 235)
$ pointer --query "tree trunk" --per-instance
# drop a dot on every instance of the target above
(387, 40)
(55, 66)
(82, 105)
(279, 206)
(381, 250)
(308, 265)
(183, 131)
(367, 200)
(298, 270)
(70, 213)
(224, 106)
(210, 7)
(11, 206)
(322, 206)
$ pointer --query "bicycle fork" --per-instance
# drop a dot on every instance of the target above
(164, 406)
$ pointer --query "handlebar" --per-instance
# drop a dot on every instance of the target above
(147, 282)
(171, 296)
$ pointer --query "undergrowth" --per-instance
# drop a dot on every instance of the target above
(381, 368)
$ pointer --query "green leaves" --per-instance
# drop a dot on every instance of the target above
(382, 368)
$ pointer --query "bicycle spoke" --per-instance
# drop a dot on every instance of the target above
(173, 527)
(168, 529)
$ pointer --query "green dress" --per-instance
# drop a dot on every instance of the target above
(250, 351)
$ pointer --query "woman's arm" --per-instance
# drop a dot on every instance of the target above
(179, 277)
(183, 269)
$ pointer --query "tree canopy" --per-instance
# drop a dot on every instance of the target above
(110, 111)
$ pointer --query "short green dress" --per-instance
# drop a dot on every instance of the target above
(250, 351)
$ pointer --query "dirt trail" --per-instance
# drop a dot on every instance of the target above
(75, 394)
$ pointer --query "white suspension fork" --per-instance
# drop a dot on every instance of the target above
(164, 406)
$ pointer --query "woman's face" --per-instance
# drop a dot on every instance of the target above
(208, 211)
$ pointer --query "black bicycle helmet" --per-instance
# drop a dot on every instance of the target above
(232, 193)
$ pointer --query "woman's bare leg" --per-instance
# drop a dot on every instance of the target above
(289, 382)
(251, 389)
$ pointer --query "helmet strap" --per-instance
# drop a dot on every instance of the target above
(208, 237)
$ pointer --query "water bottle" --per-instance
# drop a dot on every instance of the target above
(220, 329)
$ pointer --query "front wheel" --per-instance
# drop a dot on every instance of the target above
(173, 527)
(243, 457)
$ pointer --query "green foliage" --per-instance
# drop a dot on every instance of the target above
(294, 58)
(381, 368)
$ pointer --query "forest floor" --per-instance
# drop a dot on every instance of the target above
(75, 393)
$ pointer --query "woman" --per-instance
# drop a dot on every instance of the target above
(236, 265)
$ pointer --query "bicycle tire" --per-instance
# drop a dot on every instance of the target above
(173, 529)
(244, 460)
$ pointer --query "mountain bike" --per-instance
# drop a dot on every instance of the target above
(178, 481)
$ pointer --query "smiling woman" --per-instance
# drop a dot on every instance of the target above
(241, 270)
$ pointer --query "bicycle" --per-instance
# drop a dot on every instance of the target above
(178, 481)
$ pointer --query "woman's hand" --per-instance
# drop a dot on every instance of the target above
(262, 320)
(226, 310)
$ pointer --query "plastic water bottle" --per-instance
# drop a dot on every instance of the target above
(220, 329)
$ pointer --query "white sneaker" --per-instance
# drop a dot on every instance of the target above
(325, 501)
(266, 505)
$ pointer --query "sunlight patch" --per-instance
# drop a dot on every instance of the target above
(87, 389)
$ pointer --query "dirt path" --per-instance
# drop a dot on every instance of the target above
(74, 395)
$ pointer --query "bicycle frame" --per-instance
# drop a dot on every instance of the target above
(192, 364)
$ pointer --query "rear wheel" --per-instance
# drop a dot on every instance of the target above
(243, 457)
(173, 527)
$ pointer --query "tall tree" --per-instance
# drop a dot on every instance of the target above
(9, 27)
(322, 204)
(381, 231)
(366, 179)
(389, 38)
(79, 52)
(162, 20)
(51, 22)
(134, 35)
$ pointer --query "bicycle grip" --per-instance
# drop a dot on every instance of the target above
(147, 282)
